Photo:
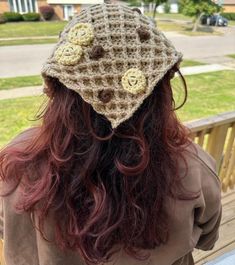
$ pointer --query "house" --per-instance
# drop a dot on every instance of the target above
(228, 6)
(173, 7)
(64, 9)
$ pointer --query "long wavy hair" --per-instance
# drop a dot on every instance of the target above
(103, 187)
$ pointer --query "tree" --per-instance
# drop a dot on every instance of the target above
(197, 8)
(156, 3)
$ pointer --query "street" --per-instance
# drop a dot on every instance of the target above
(28, 59)
(204, 47)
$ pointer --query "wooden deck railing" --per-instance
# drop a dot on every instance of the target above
(217, 136)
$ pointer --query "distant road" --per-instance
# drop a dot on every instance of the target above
(203, 47)
(23, 60)
(28, 59)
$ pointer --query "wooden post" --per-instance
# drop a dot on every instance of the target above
(2, 262)
(215, 145)
(201, 137)
(227, 157)
(231, 168)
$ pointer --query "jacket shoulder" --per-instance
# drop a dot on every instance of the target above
(199, 172)
(196, 156)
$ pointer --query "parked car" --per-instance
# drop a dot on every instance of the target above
(214, 20)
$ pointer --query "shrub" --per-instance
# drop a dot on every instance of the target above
(2, 19)
(167, 8)
(133, 3)
(12, 16)
(47, 12)
(31, 16)
(229, 16)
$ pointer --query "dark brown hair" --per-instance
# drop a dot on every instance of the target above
(103, 187)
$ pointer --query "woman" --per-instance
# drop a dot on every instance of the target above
(110, 176)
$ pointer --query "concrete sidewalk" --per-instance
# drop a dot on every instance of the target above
(38, 90)
(30, 38)
(21, 92)
(200, 69)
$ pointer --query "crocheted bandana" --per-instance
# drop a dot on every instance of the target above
(113, 57)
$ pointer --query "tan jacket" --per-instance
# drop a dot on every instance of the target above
(194, 224)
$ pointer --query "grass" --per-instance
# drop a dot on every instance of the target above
(52, 28)
(187, 63)
(16, 115)
(209, 94)
(173, 16)
(231, 56)
(22, 81)
(171, 26)
(29, 29)
(27, 42)
(186, 28)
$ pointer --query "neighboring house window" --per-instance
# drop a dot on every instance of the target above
(23, 6)
(68, 11)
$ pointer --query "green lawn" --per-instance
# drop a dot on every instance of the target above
(170, 16)
(171, 26)
(17, 115)
(53, 28)
(29, 29)
(209, 94)
(231, 56)
(186, 28)
(22, 81)
(187, 63)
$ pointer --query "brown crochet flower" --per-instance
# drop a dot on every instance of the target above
(105, 95)
(97, 52)
(143, 33)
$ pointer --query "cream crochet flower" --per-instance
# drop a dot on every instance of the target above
(81, 34)
(134, 81)
(68, 54)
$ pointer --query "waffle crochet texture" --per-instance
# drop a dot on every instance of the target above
(130, 45)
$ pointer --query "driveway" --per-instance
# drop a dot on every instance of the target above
(28, 59)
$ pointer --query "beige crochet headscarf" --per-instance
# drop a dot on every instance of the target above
(113, 56)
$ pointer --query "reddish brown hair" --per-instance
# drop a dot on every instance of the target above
(103, 187)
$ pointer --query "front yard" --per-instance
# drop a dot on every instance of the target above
(31, 29)
(209, 94)
(44, 29)
(22, 81)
